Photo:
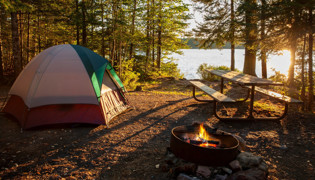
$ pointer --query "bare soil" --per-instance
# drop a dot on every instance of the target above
(136, 140)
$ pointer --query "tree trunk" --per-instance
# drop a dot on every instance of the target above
(77, 21)
(263, 54)
(131, 53)
(1, 61)
(232, 29)
(114, 27)
(38, 33)
(159, 36)
(310, 61)
(103, 40)
(152, 27)
(302, 73)
(292, 62)
(28, 39)
(15, 44)
(2, 20)
(21, 37)
(119, 56)
(251, 38)
(293, 45)
(148, 38)
(84, 34)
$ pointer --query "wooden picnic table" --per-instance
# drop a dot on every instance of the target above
(247, 81)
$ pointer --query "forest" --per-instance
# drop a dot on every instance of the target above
(137, 36)
(75, 115)
(264, 27)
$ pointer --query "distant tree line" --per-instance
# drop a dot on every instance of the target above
(135, 35)
(264, 27)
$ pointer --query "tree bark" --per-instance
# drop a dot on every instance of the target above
(293, 45)
(232, 29)
(38, 33)
(2, 20)
(303, 72)
(310, 61)
(1, 61)
(250, 39)
(152, 27)
(263, 54)
(84, 34)
(159, 36)
(77, 21)
(131, 53)
(103, 40)
(15, 44)
(28, 39)
(21, 37)
(148, 38)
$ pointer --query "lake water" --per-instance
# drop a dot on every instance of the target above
(191, 59)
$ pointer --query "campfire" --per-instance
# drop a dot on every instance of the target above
(201, 138)
(201, 144)
(199, 151)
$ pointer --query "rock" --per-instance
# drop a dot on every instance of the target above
(227, 170)
(250, 174)
(248, 160)
(183, 176)
(157, 166)
(263, 166)
(170, 158)
(203, 171)
(283, 147)
(220, 177)
(188, 168)
(235, 165)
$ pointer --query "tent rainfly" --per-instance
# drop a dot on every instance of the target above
(66, 84)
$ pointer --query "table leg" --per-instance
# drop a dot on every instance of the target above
(251, 106)
(222, 84)
(200, 100)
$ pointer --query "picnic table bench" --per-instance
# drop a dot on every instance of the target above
(246, 81)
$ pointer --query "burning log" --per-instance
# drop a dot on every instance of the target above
(202, 137)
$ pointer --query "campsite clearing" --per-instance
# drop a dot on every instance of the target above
(136, 141)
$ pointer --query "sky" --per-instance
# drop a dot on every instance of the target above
(195, 16)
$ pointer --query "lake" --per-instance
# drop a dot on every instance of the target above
(191, 59)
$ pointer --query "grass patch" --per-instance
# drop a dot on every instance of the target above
(269, 106)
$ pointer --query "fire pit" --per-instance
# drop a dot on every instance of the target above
(202, 145)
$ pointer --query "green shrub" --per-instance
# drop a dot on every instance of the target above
(278, 77)
(207, 76)
(129, 77)
(169, 69)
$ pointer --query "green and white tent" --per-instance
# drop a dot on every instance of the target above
(66, 84)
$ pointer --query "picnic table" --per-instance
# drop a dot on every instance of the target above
(251, 83)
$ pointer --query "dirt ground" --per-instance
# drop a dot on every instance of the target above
(136, 140)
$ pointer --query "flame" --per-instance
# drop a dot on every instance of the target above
(203, 134)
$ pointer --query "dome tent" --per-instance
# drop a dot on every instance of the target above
(66, 84)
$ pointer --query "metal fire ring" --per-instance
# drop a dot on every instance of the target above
(203, 155)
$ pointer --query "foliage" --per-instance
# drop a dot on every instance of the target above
(117, 30)
(207, 76)
(278, 77)
(129, 77)
(169, 69)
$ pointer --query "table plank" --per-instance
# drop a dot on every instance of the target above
(275, 95)
(211, 92)
(243, 79)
